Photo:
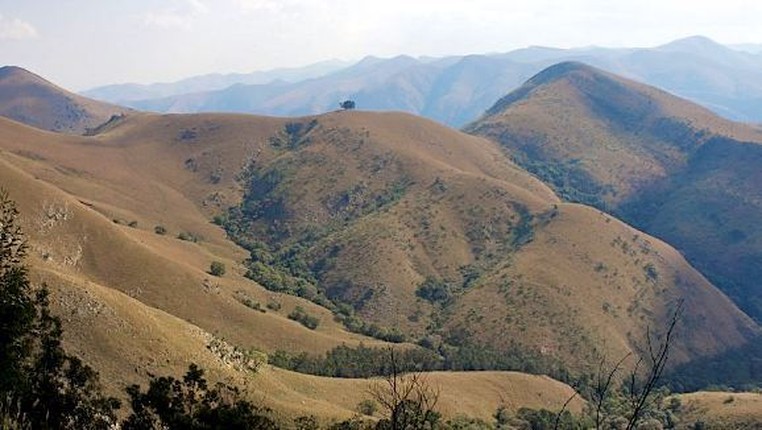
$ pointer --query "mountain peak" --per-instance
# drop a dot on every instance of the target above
(17, 72)
(696, 44)
(561, 70)
(547, 76)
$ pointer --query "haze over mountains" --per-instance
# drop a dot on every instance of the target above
(396, 226)
(456, 90)
(125, 93)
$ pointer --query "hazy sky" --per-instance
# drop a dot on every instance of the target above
(84, 43)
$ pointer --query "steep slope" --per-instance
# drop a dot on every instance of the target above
(135, 304)
(127, 340)
(30, 99)
(664, 164)
(418, 227)
(398, 221)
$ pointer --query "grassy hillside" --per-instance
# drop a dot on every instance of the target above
(30, 99)
(385, 219)
(722, 410)
(661, 163)
(409, 225)
(135, 304)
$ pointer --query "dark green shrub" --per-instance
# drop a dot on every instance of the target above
(249, 302)
(306, 423)
(159, 229)
(434, 290)
(305, 319)
(217, 268)
(192, 404)
(367, 407)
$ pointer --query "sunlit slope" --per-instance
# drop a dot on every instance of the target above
(380, 202)
(126, 337)
(722, 410)
(28, 98)
(67, 235)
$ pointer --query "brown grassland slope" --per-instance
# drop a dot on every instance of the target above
(663, 164)
(722, 410)
(134, 303)
(371, 205)
(566, 281)
(379, 202)
(30, 99)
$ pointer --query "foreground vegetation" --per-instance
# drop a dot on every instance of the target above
(41, 386)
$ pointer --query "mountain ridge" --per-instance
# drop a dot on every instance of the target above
(642, 153)
(697, 68)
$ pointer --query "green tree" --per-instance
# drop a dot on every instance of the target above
(217, 268)
(347, 104)
(191, 404)
(42, 385)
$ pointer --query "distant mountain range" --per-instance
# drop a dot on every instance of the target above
(125, 93)
(456, 90)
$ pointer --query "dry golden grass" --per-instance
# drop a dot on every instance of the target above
(126, 340)
(662, 163)
(69, 236)
(135, 302)
(722, 410)
(581, 289)
(98, 320)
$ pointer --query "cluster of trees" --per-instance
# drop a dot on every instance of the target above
(357, 362)
(302, 317)
(192, 404)
(408, 401)
(362, 361)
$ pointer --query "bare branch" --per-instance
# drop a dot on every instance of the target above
(658, 364)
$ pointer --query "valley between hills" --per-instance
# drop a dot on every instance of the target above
(507, 260)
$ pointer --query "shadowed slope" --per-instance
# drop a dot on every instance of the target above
(664, 164)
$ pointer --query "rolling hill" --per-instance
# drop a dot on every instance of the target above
(667, 166)
(388, 220)
(456, 90)
(30, 99)
(134, 303)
